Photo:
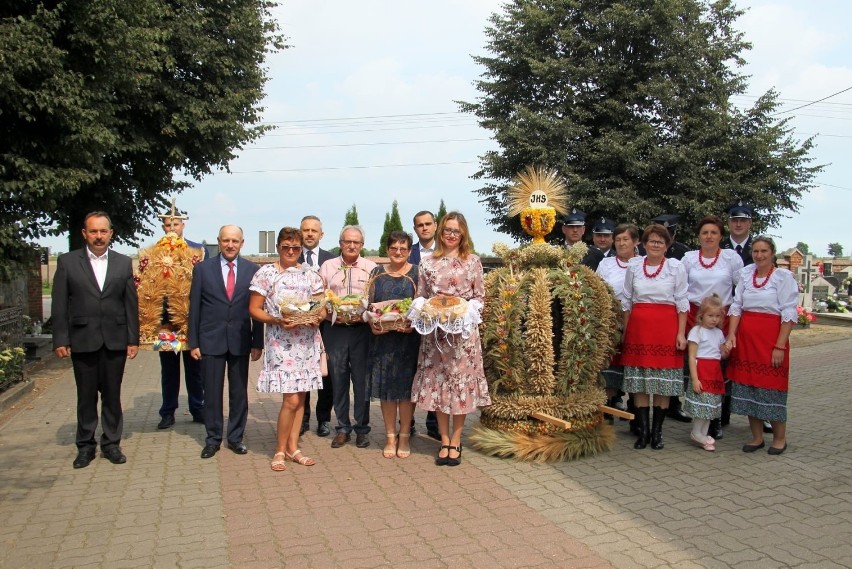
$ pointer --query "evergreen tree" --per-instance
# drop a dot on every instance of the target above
(631, 102)
(392, 223)
(442, 211)
(383, 250)
(351, 216)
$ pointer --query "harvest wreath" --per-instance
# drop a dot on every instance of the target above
(162, 284)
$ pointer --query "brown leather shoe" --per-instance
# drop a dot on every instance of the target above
(340, 439)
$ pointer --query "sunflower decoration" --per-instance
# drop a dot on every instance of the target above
(537, 195)
(550, 326)
(163, 281)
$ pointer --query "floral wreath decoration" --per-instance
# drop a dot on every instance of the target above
(550, 326)
(163, 282)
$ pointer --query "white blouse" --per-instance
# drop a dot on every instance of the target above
(612, 270)
(779, 296)
(669, 287)
(709, 342)
(720, 278)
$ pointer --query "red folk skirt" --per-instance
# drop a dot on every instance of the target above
(750, 362)
(710, 375)
(649, 341)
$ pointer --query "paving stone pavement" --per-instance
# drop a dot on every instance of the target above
(678, 507)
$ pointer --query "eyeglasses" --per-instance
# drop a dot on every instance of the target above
(397, 249)
(656, 243)
(454, 232)
(290, 248)
(350, 242)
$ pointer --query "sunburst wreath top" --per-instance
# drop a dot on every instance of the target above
(163, 283)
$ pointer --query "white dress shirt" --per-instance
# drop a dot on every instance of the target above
(99, 266)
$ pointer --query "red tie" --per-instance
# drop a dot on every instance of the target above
(232, 281)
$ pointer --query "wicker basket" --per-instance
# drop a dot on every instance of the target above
(301, 317)
(387, 322)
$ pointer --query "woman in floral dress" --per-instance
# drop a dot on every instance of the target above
(291, 364)
(450, 379)
(392, 360)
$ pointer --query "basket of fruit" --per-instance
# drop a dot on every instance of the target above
(389, 315)
(346, 309)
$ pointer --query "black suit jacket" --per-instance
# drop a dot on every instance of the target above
(86, 317)
(322, 257)
(745, 254)
(217, 325)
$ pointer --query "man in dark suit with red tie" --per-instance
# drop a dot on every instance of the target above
(96, 322)
(222, 335)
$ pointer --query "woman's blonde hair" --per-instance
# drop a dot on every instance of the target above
(708, 303)
(464, 239)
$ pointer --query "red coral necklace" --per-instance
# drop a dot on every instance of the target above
(711, 263)
(766, 280)
(655, 273)
(618, 262)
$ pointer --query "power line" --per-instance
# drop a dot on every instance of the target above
(367, 144)
(369, 130)
(353, 167)
(811, 103)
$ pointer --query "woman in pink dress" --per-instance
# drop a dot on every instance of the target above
(450, 379)
(291, 364)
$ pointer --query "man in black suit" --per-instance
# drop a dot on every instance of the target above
(739, 231)
(314, 256)
(602, 232)
(222, 335)
(677, 249)
(96, 322)
(574, 227)
(739, 239)
(174, 221)
(425, 227)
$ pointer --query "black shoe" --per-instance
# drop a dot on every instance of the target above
(715, 429)
(361, 440)
(657, 428)
(323, 429)
(84, 457)
(767, 427)
(774, 451)
(209, 451)
(675, 413)
(642, 427)
(303, 429)
(114, 455)
(166, 422)
(752, 448)
(442, 460)
(433, 434)
(197, 419)
(454, 461)
(238, 448)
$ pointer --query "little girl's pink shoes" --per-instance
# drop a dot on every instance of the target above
(708, 443)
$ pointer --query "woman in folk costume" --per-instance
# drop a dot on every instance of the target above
(655, 308)
(760, 320)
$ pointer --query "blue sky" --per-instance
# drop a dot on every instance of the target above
(364, 101)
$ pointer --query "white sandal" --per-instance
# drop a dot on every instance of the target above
(279, 465)
(300, 458)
